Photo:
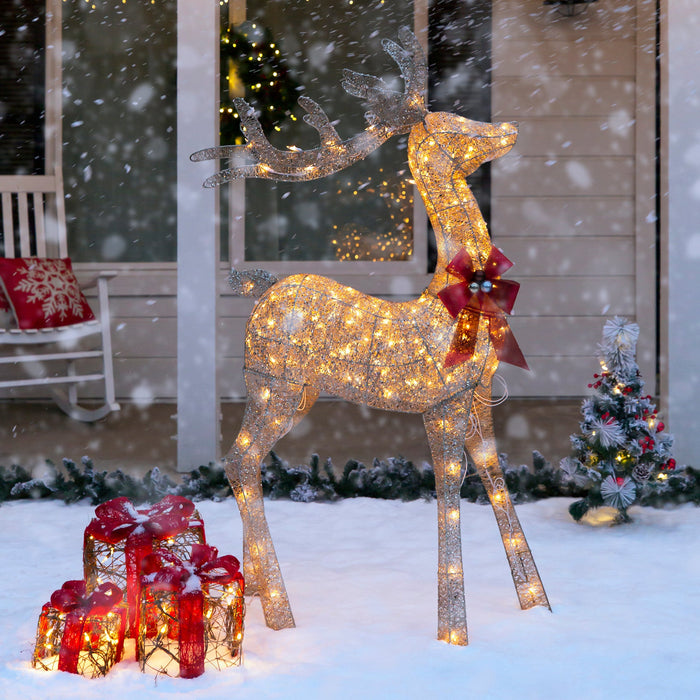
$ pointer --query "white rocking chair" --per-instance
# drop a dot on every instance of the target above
(33, 224)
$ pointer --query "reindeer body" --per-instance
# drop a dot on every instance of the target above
(309, 334)
(361, 342)
(365, 350)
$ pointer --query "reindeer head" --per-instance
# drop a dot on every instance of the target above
(466, 143)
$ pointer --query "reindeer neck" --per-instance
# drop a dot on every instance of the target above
(451, 206)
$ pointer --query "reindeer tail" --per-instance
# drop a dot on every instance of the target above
(250, 283)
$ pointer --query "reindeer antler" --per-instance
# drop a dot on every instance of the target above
(390, 113)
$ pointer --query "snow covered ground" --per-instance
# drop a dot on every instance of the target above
(362, 581)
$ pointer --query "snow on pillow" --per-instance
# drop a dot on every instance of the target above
(43, 292)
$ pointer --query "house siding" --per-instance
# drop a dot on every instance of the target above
(572, 206)
(573, 203)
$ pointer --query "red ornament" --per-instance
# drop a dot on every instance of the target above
(481, 293)
(660, 427)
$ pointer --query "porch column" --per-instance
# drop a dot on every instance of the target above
(681, 270)
(197, 235)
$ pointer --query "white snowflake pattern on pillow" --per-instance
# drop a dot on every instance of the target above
(50, 283)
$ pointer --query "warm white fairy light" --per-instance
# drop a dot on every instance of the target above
(310, 334)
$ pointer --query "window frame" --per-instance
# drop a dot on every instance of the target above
(235, 221)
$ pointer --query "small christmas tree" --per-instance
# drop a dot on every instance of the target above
(622, 444)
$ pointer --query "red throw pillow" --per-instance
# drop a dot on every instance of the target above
(43, 292)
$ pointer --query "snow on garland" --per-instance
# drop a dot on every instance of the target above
(394, 478)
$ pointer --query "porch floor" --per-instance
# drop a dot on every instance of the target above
(136, 439)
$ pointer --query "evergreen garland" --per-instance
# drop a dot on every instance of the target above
(394, 478)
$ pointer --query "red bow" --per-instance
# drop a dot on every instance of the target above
(481, 293)
(119, 520)
(73, 597)
(165, 571)
(73, 600)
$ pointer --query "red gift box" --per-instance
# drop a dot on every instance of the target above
(79, 631)
(191, 612)
(121, 535)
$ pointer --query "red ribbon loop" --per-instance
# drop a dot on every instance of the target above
(164, 570)
(73, 597)
(481, 293)
(118, 519)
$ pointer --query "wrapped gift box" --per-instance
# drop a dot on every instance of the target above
(79, 631)
(191, 612)
(120, 536)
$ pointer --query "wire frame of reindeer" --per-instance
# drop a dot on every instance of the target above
(309, 334)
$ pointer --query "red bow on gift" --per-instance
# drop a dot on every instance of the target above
(73, 597)
(118, 520)
(481, 293)
(73, 600)
(164, 571)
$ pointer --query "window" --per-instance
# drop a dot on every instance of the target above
(22, 81)
(119, 119)
(459, 62)
(286, 49)
(119, 110)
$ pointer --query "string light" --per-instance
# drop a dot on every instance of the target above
(309, 334)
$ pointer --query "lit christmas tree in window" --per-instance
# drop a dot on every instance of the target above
(252, 66)
(622, 444)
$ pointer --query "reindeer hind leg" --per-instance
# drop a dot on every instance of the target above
(481, 446)
(268, 416)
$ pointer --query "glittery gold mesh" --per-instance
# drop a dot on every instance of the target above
(101, 642)
(309, 334)
(158, 648)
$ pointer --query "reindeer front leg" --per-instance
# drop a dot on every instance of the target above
(446, 425)
(481, 445)
(268, 416)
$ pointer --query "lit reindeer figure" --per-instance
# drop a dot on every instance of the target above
(435, 356)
